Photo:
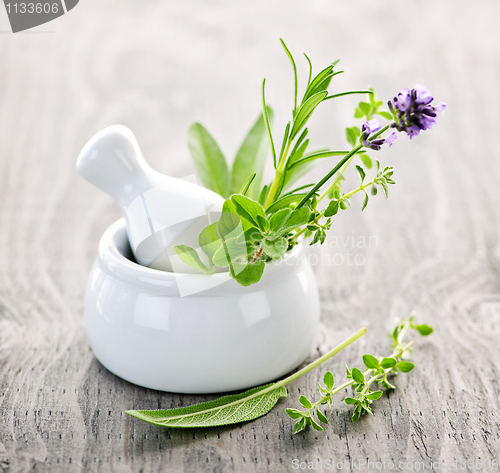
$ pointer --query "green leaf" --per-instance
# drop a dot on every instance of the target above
(233, 250)
(424, 329)
(208, 159)
(251, 156)
(365, 202)
(361, 173)
(373, 189)
(387, 363)
(374, 395)
(263, 223)
(386, 115)
(358, 376)
(267, 122)
(279, 218)
(247, 184)
(293, 413)
(332, 209)
(229, 224)
(305, 402)
(275, 248)
(405, 366)
(247, 274)
(328, 380)
(210, 240)
(226, 410)
(313, 87)
(263, 195)
(321, 417)
(315, 425)
(362, 110)
(248, 208)
(371, 362)
(289, 54)
(297, 218)
(305, 112)
(366, 160)
(299, 426)
(317, 155)
(383, 184)
(352, 134)
(350, 400)
(190, 257)
(285, 201)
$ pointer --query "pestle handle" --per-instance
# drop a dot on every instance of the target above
(112, 161)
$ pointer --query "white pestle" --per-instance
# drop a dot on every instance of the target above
(160, 210)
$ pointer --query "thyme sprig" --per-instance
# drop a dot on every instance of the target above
(376, 371)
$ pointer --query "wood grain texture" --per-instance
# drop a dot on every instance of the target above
(434, 245)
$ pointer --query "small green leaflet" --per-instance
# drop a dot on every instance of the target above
(226, 410)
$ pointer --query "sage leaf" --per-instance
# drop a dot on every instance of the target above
(226, 410)
(251, 157)
(275, 248)
(208, 159)
(190, 257)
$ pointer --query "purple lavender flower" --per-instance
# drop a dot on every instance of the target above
(370, 127)
(412, 110)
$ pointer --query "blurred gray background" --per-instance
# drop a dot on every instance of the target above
(156, 66)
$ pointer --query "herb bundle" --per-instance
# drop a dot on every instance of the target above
(258, 401)
(260, 223)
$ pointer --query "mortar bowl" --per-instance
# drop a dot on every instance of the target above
(195, 333)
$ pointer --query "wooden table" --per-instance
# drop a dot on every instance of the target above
(434, 244)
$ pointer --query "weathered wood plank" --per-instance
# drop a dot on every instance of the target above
(432, 247)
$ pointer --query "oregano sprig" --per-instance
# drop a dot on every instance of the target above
(376, 371)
